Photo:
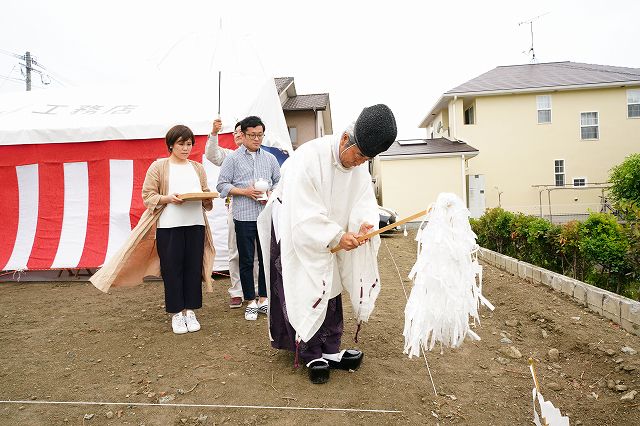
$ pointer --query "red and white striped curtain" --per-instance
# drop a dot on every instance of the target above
(73, 205)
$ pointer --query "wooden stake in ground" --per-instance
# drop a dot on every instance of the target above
(533, 373)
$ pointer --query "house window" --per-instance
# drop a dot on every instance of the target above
(559, 172)
(589, 125)
(293, 134)
(469, 115)
(633, 103)
(544, 109)
(580, 181)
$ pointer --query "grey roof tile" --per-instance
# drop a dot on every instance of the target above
(307, 102)
(427, 146)
(553, 74)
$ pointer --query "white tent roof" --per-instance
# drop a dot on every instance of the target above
(140, 112)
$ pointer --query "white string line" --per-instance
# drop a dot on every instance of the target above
(424, 355)
(153, 404)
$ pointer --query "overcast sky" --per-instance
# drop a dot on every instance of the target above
(402, 53)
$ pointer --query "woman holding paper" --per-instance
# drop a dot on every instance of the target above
(171, 230)
(181, 227)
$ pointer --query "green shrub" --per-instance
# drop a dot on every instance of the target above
(534, 241)
(625, 180)
(632, 232)
(494, 230)
(574, 263)
(552, 249)
(602, 240)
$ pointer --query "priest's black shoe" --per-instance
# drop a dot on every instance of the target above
(318, 372)
(351, 360)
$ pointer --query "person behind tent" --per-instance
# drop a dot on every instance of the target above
(171, 232)
(325, 199)
(216, 154)
(238, 174)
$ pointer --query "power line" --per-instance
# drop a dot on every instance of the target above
(18, 81)
(7, 76)
(11, 78)
(15, 55)
(52, 74)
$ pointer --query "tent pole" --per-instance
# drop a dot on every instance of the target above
(219, 90)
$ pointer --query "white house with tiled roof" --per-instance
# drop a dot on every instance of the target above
(547, 134)
(411, 173)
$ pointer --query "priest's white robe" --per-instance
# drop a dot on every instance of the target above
(315, 202)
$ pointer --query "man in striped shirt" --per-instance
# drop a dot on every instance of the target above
(216, 154)
(238, 174)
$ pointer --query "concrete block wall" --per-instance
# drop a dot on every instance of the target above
(618, 309)
(580, 293)
(630, 316)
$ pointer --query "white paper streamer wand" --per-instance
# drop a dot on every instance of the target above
(549, 415)
(447, 280)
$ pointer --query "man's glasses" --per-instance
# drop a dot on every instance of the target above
(254, 136)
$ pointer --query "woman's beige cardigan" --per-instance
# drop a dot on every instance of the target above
(138, 257)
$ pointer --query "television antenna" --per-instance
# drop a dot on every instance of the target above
(530, 22)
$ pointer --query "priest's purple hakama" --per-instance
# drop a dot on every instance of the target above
(327, 338)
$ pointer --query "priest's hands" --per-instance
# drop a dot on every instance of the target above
(349, 241)
(365, 228)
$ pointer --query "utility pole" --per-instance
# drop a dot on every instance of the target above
(27, 60)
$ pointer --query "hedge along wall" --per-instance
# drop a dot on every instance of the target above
(599, 251)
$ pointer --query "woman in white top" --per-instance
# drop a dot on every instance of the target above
(180, 232)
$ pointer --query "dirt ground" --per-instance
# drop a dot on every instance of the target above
(67, 342)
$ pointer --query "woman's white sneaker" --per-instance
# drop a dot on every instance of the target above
(251, 313)
(178, 324)
(192, 322)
